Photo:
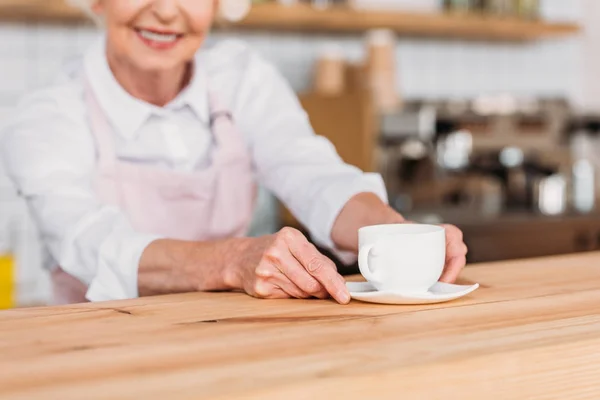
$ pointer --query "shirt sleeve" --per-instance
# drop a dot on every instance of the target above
(49, 154)
(301, 168)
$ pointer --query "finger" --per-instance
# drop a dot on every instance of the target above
(453, 268)
(281, 280)
(325, 271)
(278, 294)
(278, 279)
(454, 242)
(272, 274)
(453, 234)
(319, 266)
(264, 289)
(456, 249)
(290, 288)
(287, 265)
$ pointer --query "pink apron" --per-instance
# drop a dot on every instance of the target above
(213, 203)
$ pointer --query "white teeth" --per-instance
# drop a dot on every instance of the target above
(158, 37)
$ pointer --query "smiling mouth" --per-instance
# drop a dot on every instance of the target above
(157, 39)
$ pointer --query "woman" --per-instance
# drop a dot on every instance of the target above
(139, 167)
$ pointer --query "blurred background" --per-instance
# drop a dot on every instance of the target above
(480, 113)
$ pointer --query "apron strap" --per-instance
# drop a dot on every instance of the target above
(219, 114)
(223, 127)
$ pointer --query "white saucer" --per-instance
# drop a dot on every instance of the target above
(439, 293)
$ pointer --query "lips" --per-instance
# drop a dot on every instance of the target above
(159, 40)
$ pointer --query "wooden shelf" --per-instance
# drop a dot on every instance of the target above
(303, 18)
(39, 10)
(471, 27)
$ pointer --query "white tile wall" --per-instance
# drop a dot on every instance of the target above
(31, 54)
(590, 44)
(444, 68)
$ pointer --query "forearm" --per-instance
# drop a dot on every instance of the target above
(364, 209)
(174, 266)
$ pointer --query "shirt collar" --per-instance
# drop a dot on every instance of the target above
(195, 94)
(127, 113)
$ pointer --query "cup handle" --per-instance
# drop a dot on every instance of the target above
(363, 263)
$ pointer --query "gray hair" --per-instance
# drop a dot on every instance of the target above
(86, 7)
(232, 10)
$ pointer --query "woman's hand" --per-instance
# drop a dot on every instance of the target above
(456, 254)
(280, 266)
(283, 265)
(367, 209)
(286, 265)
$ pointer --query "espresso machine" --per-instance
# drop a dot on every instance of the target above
(518, 181)
(441, 156)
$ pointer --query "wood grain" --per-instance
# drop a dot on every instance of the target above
(302, 18)
(531, 331)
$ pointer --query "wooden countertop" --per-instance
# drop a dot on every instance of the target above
(530, 331)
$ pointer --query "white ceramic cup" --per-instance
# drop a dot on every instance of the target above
(402, 258)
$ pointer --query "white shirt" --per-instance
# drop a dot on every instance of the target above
(50, 154)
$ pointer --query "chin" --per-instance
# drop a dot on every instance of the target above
(158, 64)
